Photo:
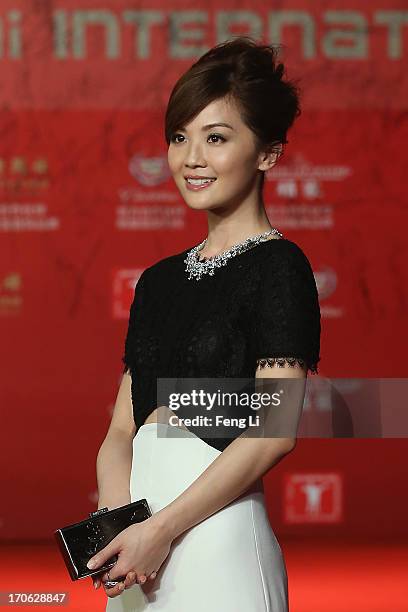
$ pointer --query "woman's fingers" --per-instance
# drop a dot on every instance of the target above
(142, 579)
(98, 579)
(115, 590)
(130, 579)
(96, 582)
(133, 578)
(112, 591)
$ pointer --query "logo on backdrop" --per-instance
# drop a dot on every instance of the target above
(11, 293)
(299, 183)
(23, 176)
(326, 281)
(123, 288)
(20, 173)
(150, 171)
(313, 498)
(151, 203)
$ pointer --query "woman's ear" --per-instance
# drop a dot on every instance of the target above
(270, 156)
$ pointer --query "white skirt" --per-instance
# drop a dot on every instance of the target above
(230, 562)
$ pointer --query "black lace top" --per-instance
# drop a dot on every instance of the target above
(260, 310)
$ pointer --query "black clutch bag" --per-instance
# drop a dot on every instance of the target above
(81, 541)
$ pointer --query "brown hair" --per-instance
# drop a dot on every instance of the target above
(246, 72)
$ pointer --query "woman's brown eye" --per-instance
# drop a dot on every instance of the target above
(217, 136)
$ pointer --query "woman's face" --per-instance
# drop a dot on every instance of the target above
(203, 148)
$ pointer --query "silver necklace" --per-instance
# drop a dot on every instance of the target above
(196, 268)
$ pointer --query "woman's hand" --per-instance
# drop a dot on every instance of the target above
(141, 550)
(131, 579)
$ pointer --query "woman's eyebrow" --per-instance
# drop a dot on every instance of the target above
(211, 125)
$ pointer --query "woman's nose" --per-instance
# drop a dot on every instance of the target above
(194, 157)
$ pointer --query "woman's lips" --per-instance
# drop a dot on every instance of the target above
(191, 187)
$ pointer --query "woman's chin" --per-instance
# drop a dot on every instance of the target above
(200, 205)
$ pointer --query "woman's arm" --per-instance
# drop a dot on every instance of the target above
(114, 460)
(229, 475)
(142, 548)
(113, 467)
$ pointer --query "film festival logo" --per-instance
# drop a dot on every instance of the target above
(24, 174)
(149, 171)
(342, 37)
(313, 498)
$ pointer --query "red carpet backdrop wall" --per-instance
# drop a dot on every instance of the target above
(87, 203)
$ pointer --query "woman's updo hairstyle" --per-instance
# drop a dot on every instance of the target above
(246, 72)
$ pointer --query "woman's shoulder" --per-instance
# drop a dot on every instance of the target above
(287, 266)
(283, 252)
(166, 265)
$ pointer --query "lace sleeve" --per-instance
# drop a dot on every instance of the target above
(287, 315)
(280, 362)
(134, 322)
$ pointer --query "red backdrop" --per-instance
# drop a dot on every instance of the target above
(87, 202)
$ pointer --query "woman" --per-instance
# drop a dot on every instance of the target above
(242, 303)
